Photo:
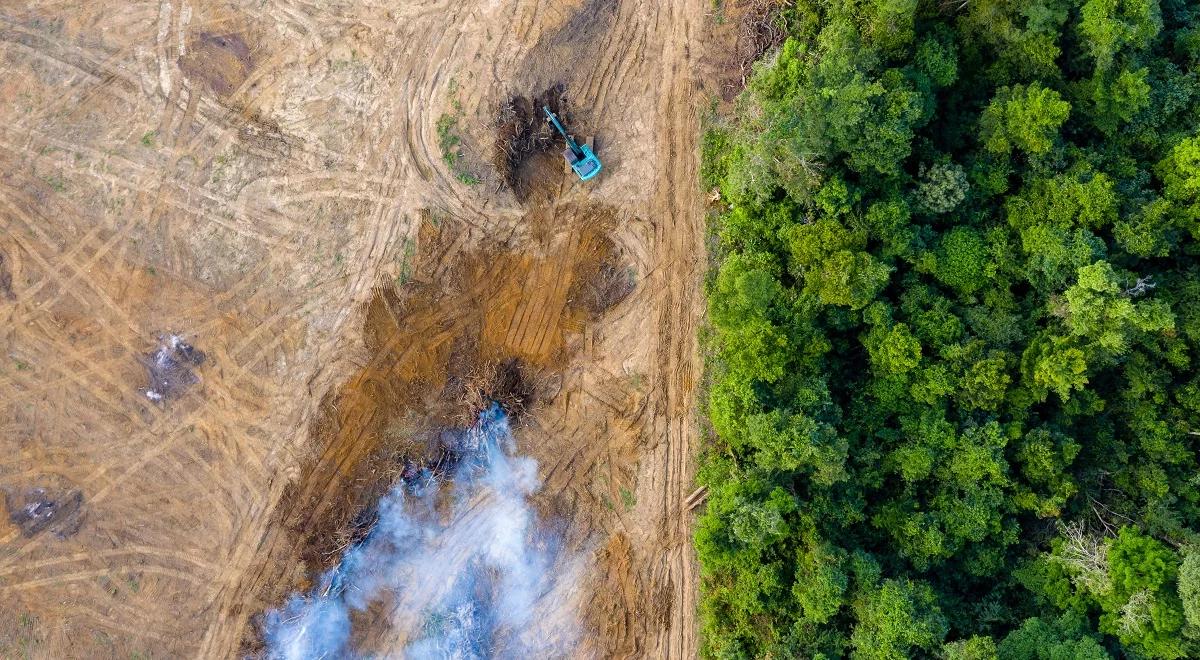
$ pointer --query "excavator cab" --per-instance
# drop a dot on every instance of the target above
(579, 156)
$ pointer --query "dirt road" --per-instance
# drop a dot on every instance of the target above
(304, 191)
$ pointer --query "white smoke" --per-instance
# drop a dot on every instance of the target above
(471, 584)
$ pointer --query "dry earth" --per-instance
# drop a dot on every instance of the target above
(268, 181)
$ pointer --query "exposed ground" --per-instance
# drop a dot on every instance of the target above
(308, 194)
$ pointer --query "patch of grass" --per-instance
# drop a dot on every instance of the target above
(21, 365)
(450, 144)
(718, 12)
(151, 271)
(132, 582)
(219, 167)
(148, 138)
(636, 379)
(56, 182)
(410, 250)
(628, 499)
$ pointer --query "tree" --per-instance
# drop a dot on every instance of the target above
(942, 188)
(1054, 364)
(1097, 309)
(961, 258)
(984, 384)
(895, 350)
(1110, 26)
(1023, 117)
(1189, 590)
(1143, 608)
(1059, 639)
(742, 305)
(895, 618)
(1180, 174)
(975, 648)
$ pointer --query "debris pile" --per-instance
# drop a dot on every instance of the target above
(599, 291)
(171, 367)
(522, 133)
(47, 507)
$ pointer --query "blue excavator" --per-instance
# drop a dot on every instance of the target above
(579, 156)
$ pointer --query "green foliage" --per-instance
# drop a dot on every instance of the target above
(975, 648)
(1189, 590)
(894, 351)
(894, 619)
(1143, 608)
(942, 188)
(451, 145)
(961, 258)
(1111, 26)
(1025, 118)
(1180, 173)
(953, 334)
(1096, 309)
(1057, 639)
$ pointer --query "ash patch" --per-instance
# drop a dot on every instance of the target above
(54, 506)
(221, 61)
(524, 141)
(171, 368)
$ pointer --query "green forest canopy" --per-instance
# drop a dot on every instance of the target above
(955, 327)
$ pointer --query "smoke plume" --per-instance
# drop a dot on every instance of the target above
(461, 565)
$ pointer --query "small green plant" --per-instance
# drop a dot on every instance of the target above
(132, 582)
(628, 499)
(151, 271)
(410, 249)
(718, 12)
(148, 138)
(20, 365)
(636, 379)
(450, 144)
(56, 182)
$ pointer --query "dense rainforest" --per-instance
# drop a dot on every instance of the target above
(954, 335)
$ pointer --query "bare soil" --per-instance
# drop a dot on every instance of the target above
(268, 181)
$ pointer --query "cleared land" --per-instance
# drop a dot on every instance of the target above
(305, 192)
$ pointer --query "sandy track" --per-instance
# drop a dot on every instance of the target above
(253, 197)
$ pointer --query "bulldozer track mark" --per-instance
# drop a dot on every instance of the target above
(36, 583)
(133, 552)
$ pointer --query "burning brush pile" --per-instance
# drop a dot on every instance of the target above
(454, 556)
